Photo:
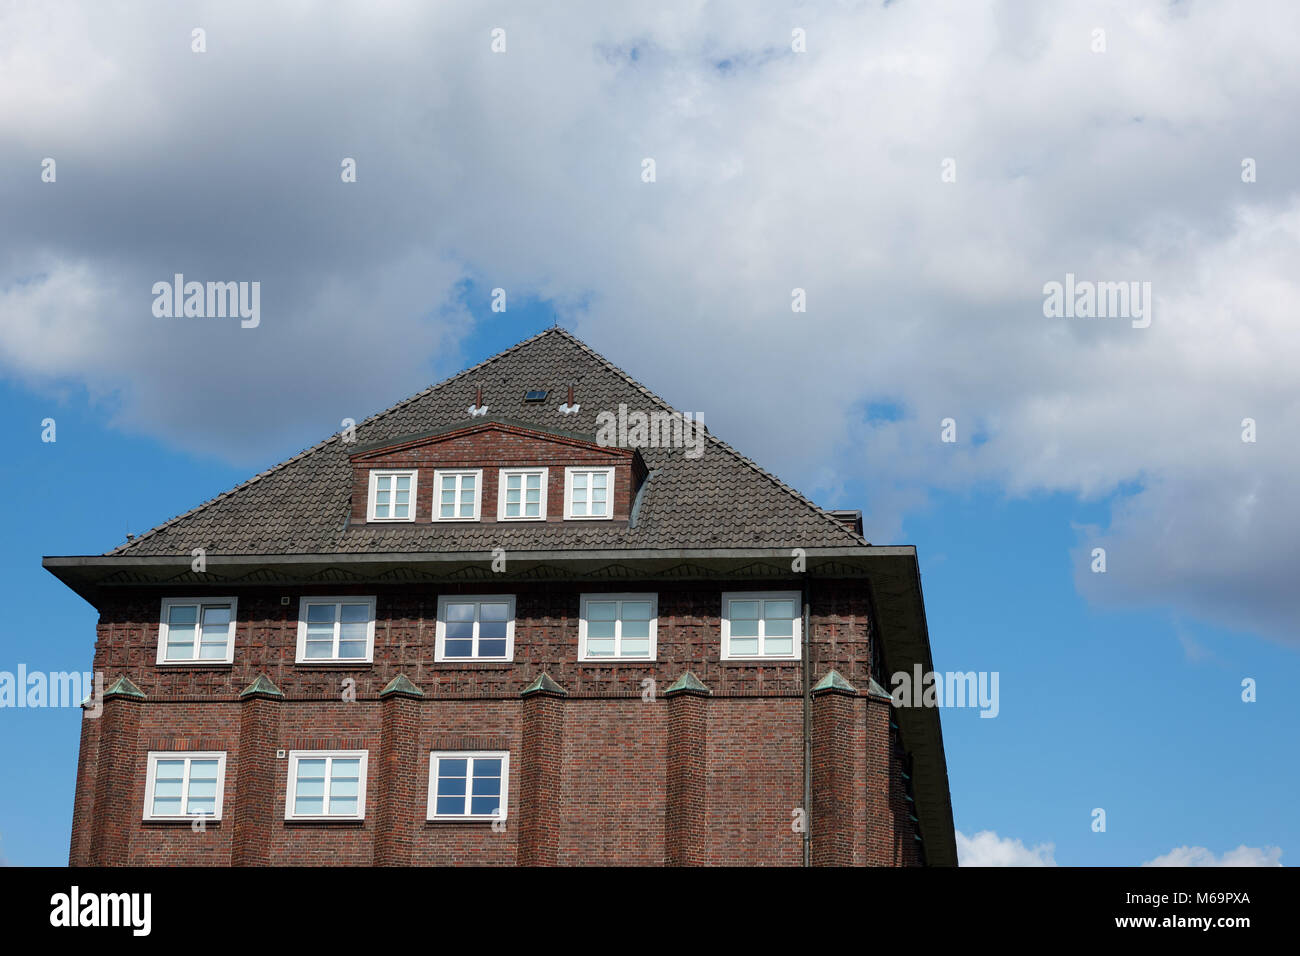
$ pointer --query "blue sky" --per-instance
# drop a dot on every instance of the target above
(915, 180)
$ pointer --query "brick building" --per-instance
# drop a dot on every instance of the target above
(502, 622)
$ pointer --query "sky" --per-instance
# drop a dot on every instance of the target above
(829, 228)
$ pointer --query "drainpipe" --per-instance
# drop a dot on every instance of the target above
(807, 732)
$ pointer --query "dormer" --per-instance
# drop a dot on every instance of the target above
(493, 472)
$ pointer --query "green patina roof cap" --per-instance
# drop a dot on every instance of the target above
(401, 685)
(542, 684)
(122, 687)
(263, 685)
(833, 682)
(688, 683)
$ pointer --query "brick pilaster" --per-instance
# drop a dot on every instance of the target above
(839, 774)
(118, 779)
(685, 825)
(83, 812)
(541, 753)
(399, 783)
(253, 810)
(884, 841)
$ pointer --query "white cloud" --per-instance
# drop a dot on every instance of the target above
(778, 170)
(1200, 856)
(986, 848)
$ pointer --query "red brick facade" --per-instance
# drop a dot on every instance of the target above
(606, 768)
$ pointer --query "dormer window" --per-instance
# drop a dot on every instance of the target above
(522, 495)
(392, 496)
(587, 493)
(457, 494)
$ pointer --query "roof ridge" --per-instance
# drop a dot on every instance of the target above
(788, 489)
(333, 437)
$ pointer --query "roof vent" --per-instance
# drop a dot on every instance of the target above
(478, 408)
(570, 407)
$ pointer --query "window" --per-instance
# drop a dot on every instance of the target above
(184, 785)
(326, 785)
(336, 629)
(392, 496)
(522, 494)
(615, 626)
(476, 628)
(587, 493)
(466, 785)
(456, 495)
(197, 630)
(761, 624)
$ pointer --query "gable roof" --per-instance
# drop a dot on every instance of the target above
(301, 506)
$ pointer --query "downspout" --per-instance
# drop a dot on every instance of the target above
(807, 732)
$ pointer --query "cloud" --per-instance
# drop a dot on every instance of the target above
(1200, 856)
(986, 848)
(776, 170)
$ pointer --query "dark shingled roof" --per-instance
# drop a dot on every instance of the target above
(718, 500)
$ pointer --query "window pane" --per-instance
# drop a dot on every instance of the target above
(744, 647)
(486, 767)
(744, 611)
(403, 484)
(309, 805)
(600, 629)
(636, 647)
(600, 646)
(450, 805)
(467, 483)
(778, 627)
(493, 611)
(319, 649)
(774, 610)
(203, 770)
(484, 806)
(744, 629)
(168, 788)
(636, 629)
(460, 612)
(320, 614)
(166, 806)
(460, 630)
(205, 806)
(779, 646)
(452, 767)
(534, 483)
(494, 647)
(636, 610)
(458, 648)
(181, 625)
(602, 610)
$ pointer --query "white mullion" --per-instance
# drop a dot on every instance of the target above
(338, 627)
(474, 645)
(329, 776)
(618, 629)
(469, 784)
(185, 786)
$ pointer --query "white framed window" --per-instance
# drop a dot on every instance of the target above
(184, 785)
(338, 629)
(392, 496)
(457, 494)
(197, 630)
(475, 628)
(761, 625)
(522, 494)
(326, 785)
(588, 494)
(468, 784)
(618, 627)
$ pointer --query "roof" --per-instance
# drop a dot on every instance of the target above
(720, 499)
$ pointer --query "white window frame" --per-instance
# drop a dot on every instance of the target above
(652, 597)
(308, 599)
(151, 778)
(375, 475)
(291, 785)
(439, 652)
(164, 626)
(505, 473)
(438, 474)
(502, 809)
(729, 596)
(568, 493)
